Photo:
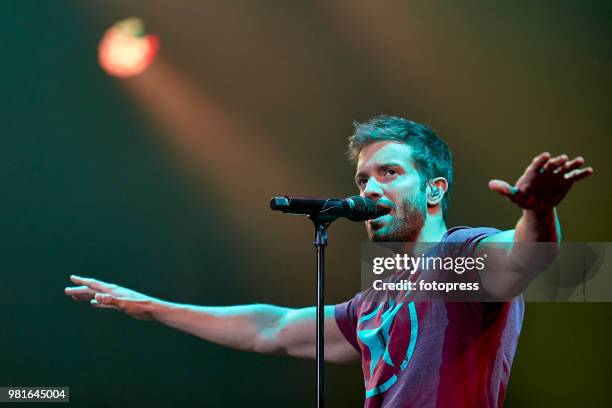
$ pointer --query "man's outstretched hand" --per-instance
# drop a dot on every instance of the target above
(110, 296)
(545, 182)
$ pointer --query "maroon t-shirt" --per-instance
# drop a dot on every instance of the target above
(433, 353)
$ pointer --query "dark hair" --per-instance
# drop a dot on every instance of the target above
(431, 155)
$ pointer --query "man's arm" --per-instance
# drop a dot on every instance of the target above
(543, 185)
(258, 327)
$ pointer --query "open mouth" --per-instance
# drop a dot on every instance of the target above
(378, 220)
(387, 207)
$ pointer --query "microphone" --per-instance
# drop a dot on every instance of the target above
(355, 208)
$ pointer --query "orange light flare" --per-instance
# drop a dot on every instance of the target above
(125, 50)
(218, 145)
(226, 152)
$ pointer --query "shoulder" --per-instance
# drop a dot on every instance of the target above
(462, 241)
(468, 234)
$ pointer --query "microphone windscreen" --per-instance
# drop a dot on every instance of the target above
(365, 209)
(279, 203)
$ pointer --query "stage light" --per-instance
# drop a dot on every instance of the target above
(126, 50)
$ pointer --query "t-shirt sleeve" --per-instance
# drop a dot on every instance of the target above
(346, 318)
(470, 237)
(464, 241)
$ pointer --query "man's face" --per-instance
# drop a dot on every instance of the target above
(387, 174)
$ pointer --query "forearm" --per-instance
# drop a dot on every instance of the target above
(245, 327)
(517, 256)
(259, 328)
(536, 239)
(538, 226)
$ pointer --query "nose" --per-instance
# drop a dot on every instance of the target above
(372, 190)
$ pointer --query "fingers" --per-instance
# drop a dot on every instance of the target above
(98, 305)
(560, 165)
(96, 292)
(502, 187)
(105, 299)
(554, 163)
(569, 169)
(135, 309)
(94, 284)
(537, 162)
(573, 164)
(97, 300)
(80, 293)
(578, 174)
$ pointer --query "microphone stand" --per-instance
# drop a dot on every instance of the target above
(320, 211)
(321, 223)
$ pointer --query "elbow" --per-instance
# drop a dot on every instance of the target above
(267, 341)
(505, 286)
(504, 293)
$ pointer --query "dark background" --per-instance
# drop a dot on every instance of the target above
(161, 182)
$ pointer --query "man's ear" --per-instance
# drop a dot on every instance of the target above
(435, 190)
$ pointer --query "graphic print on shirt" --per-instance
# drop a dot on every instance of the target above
(374, 331)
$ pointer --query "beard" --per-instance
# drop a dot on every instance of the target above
(405, 225)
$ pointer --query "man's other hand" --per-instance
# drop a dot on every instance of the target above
(104, 295)
(545, 182)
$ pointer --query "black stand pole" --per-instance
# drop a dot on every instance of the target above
(320, 242)
(322, 212)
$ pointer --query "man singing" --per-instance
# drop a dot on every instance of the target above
(413, 354)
